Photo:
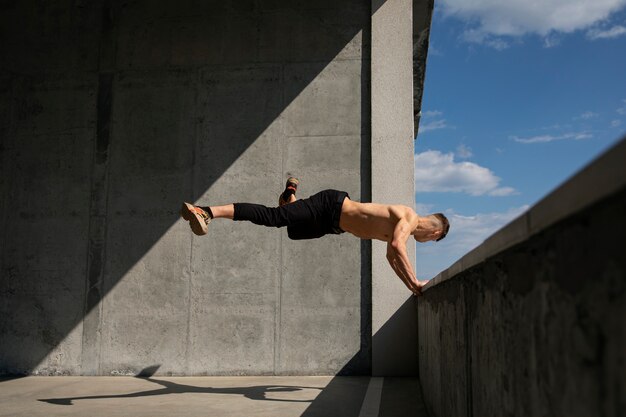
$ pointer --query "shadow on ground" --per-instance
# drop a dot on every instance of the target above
(254, 393)
(258, 392)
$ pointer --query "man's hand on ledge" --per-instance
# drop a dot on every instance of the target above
(399, 262)
(420, 284)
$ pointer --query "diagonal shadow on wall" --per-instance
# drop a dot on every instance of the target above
(114, 112)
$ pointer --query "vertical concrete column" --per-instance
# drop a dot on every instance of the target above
(394, 325)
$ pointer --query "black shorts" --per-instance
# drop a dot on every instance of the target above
(308, 218)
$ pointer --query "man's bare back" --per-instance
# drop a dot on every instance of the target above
(393, 224)
(373, 221)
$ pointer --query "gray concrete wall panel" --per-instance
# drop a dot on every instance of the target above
(285, 35)
(149, 166)
(392, 177)
(319, 298)
(113, 113)
(447, 356)
(45, 228)
(232, 334)
(334, 93)
(51, 37)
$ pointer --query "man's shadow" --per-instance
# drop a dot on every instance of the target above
(254, 393)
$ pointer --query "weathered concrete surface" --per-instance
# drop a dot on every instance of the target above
(111, 114)
(311, 396)
(539, 328)
(392, 172)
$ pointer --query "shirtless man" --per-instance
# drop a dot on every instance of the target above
(332, 212)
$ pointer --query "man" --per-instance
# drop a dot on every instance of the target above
(332, 212)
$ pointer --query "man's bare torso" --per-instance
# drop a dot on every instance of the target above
(371, 220)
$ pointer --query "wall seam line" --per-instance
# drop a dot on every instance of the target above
(279, 285)
(191, 238)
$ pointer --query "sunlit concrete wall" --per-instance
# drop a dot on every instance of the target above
(405, 24)
(111, 114)
(533, 321)
(392, 179)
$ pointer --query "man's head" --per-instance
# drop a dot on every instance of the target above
(444, 225)
(432, 227)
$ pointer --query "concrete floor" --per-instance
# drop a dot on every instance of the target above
(297, 396)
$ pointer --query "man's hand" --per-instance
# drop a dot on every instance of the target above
(399, 261)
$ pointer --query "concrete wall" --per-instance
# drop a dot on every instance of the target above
(113, 113)
(404, 24)
(392, 182)
(532, 322)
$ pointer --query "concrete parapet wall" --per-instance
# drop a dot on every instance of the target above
(533, 322)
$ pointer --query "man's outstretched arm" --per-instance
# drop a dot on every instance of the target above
(398, 258)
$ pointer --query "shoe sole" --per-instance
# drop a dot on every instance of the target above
(197, 223)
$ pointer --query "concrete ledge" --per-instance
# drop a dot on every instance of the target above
(531, 322)
(602, 177)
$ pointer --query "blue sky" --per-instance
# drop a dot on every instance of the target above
(519, 95)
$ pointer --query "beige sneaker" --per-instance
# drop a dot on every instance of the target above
(292, 184)
(198, 219)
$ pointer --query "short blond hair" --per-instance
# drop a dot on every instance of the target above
(445, 224)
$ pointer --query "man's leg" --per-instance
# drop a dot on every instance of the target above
(228, 211)
(200, 217)
(286, 197)
(223, 212)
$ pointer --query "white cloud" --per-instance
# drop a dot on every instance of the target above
(551, 41)
(466, 232)
(556, 126)
(429, 124)
(586, 116)
(433, 50)
(491, 20)
(438, 172)
(423, 209)
(552, 138)
(463, 151)
(622, 110)
(471, 231)
(503, 191)
(616, 123)
(613, 32)
(434, 125)
(477, 36)
(431, 113)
